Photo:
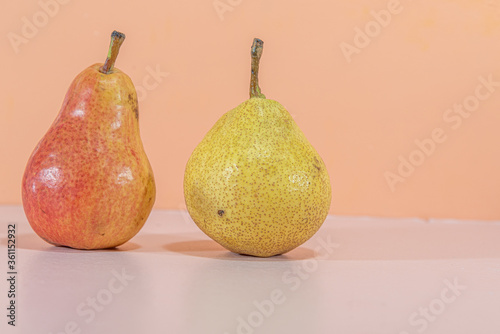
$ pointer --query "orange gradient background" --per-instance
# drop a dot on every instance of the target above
(363, 115)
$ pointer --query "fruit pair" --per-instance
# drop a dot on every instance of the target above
(254, 184)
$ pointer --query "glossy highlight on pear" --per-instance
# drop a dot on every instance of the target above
(255, 184)
(88, 184)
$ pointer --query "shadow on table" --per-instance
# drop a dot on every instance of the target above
(209, 248)
(31, 241)
(198, 245)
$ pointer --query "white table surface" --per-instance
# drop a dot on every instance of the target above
(356, 275)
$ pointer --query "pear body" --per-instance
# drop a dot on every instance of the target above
(88, 184)
(255, 184)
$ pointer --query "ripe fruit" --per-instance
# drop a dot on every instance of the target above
(255, 184)
(88, 184)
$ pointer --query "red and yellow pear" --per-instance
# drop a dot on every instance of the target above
(88, 184)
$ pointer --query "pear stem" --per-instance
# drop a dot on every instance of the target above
(256, 52)
(117, 39)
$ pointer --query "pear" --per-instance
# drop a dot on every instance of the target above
(254, 184)
(88, 184)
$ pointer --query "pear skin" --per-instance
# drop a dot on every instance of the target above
(255, 184)
(88, 184)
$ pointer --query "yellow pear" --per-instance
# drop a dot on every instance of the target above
(255, 184)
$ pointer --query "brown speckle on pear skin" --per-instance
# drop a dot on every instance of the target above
(134, 106)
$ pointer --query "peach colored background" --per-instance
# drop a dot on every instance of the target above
(360, 115)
